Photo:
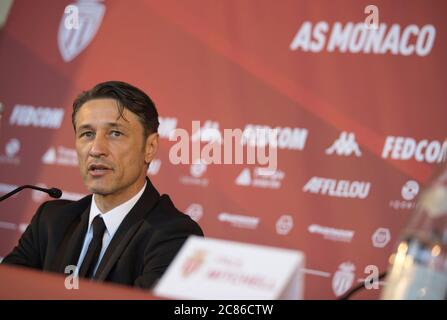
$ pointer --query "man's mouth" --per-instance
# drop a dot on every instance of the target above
(98, 170)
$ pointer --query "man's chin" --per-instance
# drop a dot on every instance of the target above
(99, 189)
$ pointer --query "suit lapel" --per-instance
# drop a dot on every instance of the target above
(127, 230)
(71, 247)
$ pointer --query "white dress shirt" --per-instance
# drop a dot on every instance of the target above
(112, 220)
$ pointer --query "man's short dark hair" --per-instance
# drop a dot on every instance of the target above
(127, 97)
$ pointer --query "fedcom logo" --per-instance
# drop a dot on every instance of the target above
(401, 148)
(41, 117)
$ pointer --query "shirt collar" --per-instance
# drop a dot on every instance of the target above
(113, 218)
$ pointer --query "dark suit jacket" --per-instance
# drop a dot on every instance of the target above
(142, 248)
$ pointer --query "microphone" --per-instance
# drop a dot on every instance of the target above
(53, 192)
(360, 286)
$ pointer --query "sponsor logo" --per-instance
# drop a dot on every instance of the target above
(40, 117)
(195, 211)
(343, 279)
(193, 263)
(284, 224)
(332, 233)
(12, 148)
(408, 192)
(401, 148)
(279, 137)
(60, 156)
(338, 188)
(73, 40)
(381, 237)
(196, 170)
(239, 221)
(358, 38)
(345, 145)
(154, 167)
(260, 178)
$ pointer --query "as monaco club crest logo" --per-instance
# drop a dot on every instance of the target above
(193, 263)
(79, 25)
(343, 278)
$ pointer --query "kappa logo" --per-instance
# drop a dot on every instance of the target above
(343, 278)
(72, 41)
(345, 145)
(193, 263)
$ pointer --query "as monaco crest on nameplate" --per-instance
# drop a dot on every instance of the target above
(73, 38)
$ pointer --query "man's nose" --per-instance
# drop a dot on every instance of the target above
(99, 147)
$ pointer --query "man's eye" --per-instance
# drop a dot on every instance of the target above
(115, 133)
(87, 134)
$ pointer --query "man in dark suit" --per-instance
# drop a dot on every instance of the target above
(125, 232)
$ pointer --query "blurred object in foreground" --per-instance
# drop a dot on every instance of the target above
(419, 266)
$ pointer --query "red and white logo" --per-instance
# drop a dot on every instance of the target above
(343, 278)
(193, 263)
(73, 40)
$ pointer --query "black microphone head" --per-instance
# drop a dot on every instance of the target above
(55, 193)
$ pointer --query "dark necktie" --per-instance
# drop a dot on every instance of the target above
(94, 248)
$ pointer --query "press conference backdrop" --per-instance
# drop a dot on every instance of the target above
(359, 112)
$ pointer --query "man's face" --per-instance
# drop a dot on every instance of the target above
(112, 152)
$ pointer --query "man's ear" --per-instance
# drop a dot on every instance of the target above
(151, 147)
